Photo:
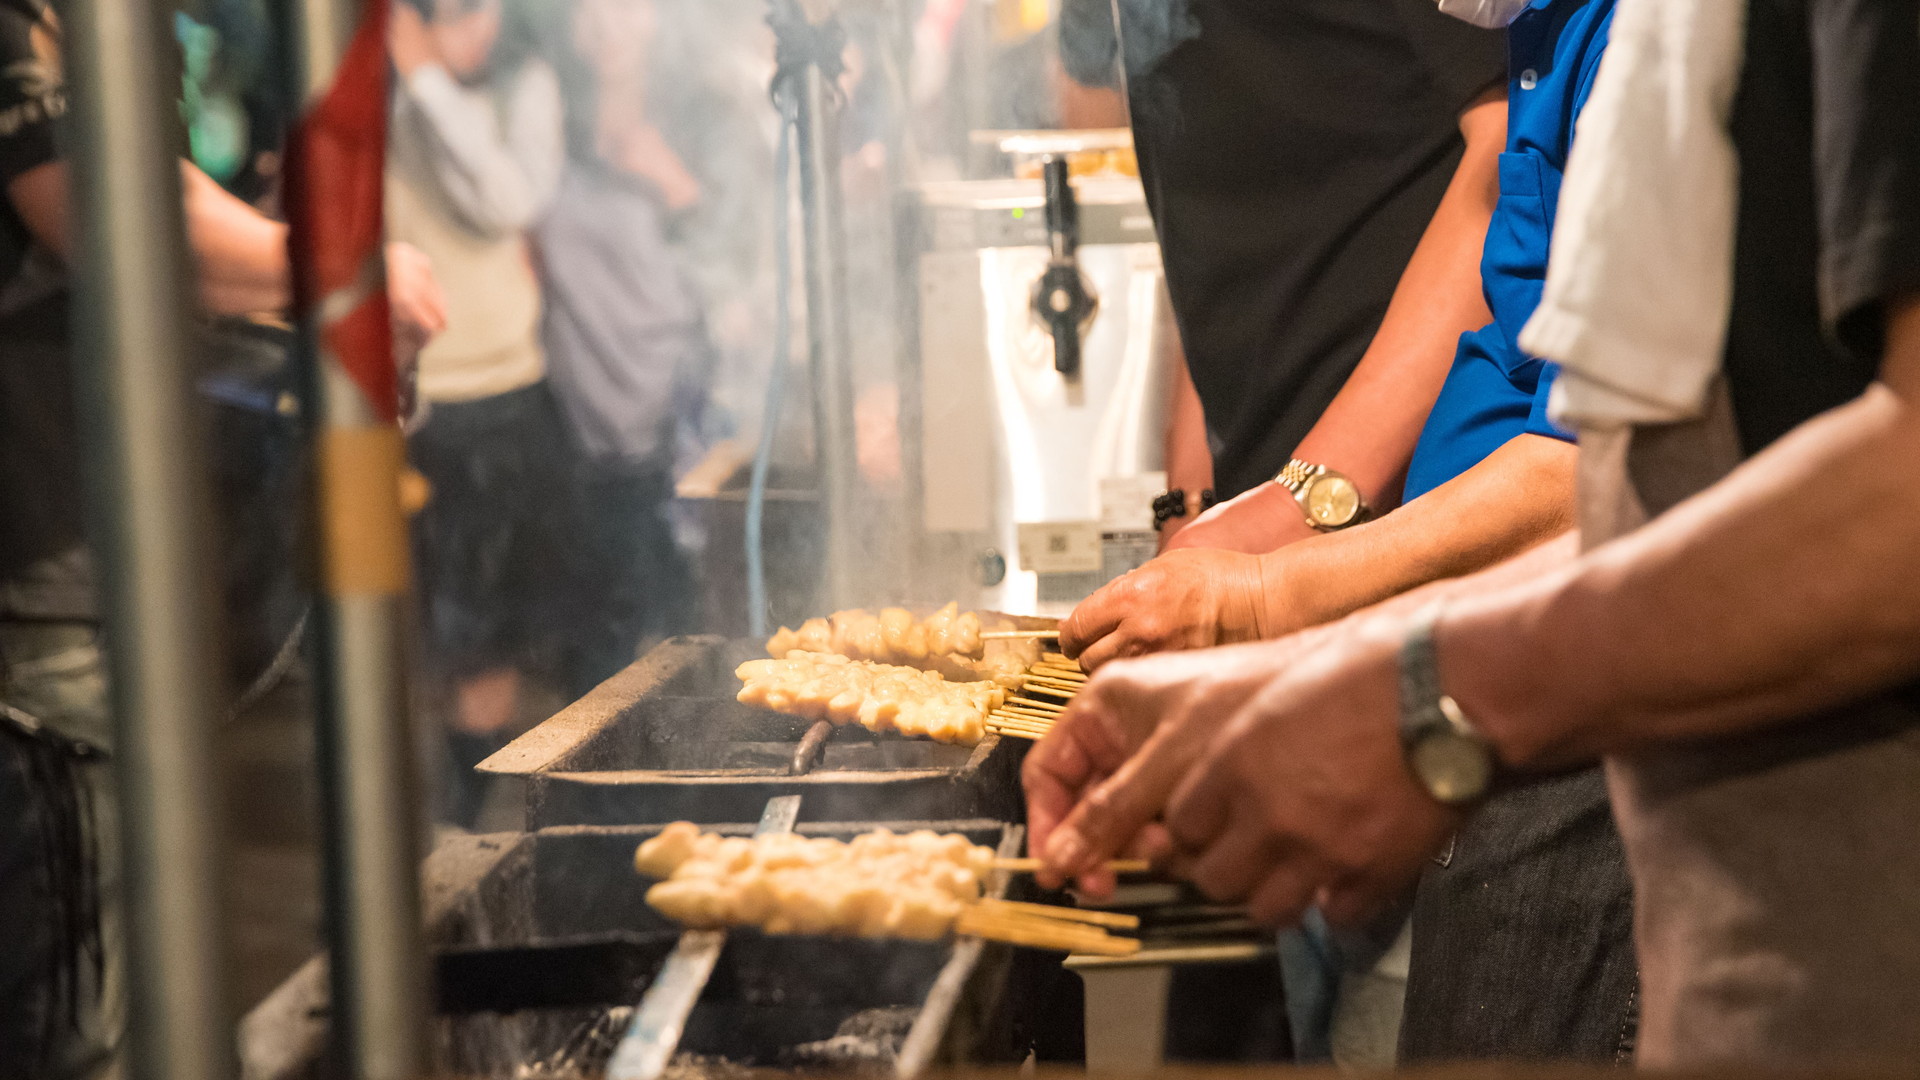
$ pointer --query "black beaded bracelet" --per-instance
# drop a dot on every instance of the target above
(1173, 504)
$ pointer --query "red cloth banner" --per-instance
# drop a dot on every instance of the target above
(335, 168)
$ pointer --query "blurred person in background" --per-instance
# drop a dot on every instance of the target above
(61, 975)
(475, 152)
(627, 349)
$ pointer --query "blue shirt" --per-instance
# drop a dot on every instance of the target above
(1496, 391)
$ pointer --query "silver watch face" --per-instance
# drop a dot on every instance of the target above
(1331, 501)
(1455, 768)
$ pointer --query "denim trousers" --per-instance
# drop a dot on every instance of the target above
(1523, 934)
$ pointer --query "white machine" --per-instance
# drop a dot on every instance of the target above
(1043, 334)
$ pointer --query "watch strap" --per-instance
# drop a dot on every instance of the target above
(1420, 691)
(1426, 712)
(1296, 474)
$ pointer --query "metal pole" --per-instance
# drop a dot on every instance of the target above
(150, 512)
(829, 337)
(371, 811)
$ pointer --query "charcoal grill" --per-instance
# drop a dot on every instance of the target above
(664, 740)
(791, 1003)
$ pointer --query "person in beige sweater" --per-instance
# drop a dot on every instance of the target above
(475, 152)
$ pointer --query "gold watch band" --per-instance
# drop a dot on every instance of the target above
(1296, 474)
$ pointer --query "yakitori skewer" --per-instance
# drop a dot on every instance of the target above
(980, 920)
(1118, 866)
(1112, 920)
(1019, 635)
(921, 885)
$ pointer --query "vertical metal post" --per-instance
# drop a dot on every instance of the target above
(829, 334)
(149, 504)
(371, 810)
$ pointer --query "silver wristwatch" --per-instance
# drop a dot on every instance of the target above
(1444, 750)
(1329, 499)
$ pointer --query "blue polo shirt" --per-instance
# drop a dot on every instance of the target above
(1496, 391)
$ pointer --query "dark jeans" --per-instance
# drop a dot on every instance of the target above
(1523, 939)
(60, 1009)
(492, 543)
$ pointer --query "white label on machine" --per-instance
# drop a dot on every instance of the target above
(1060, 547)
(1126, 502)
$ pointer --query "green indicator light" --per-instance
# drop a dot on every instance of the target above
(1019, 212)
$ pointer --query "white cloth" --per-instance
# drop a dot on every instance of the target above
(1641, 276)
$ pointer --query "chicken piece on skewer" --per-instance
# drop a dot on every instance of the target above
(879, 697)
(893, 636)
(879, 884)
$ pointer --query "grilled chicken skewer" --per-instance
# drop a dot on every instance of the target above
(878, 697)
(948, 641)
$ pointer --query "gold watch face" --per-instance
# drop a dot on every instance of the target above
(1332, 501)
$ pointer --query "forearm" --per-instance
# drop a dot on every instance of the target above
(478, 169)
(1189, 460)
(1370, 429)
(241, 254)
(1733, 610)
(1518, 498)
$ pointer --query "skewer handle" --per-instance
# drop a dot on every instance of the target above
(1018, 635)
(1118, 866)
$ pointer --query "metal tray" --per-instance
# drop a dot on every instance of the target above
(664, 740)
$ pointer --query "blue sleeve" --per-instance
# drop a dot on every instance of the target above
(1537, 421)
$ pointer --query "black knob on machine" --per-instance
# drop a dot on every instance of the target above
(1062, 299)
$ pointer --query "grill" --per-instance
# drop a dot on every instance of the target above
(665, 740)
(794, 1003)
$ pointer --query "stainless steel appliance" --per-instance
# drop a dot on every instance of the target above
(1032, 480)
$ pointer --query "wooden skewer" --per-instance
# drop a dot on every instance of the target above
(1022, 723)
(1067, 690)
(1012, 733)
(1058, 671)
(1064, 687)
(1055, 658)
(1112, 919)
(1018, 707)
(1036, 703)
(1018, 635)
(1118, 866)
(1011, 727)
(1040, 933)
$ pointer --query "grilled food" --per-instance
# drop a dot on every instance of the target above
(947, 641)
(878, 697)
(880, 884)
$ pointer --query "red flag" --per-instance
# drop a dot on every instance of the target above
(335, 168)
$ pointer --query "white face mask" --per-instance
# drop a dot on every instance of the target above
(1492, 14)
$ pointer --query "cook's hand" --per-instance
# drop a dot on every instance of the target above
(409, 42)
(1180, 600)
(1303, 797)
(1096, 785)
(1256, 521)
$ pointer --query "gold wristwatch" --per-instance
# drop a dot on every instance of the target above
(1329, 499)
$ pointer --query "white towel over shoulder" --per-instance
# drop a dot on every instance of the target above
(1641, 276)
